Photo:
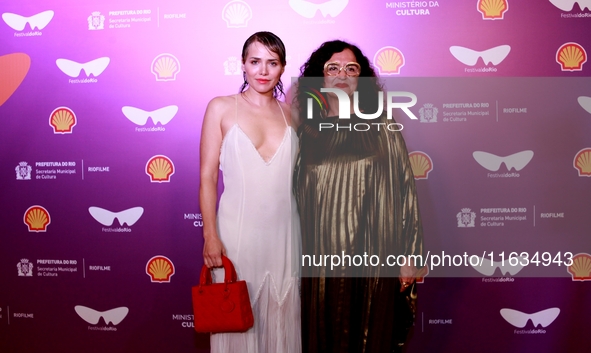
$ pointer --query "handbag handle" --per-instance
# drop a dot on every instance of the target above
(229, 273)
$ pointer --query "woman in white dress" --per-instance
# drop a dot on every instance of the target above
(250, 138)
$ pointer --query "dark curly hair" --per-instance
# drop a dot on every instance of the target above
(275, 45)
(312, 76)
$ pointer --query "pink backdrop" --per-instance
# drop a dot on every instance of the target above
(101, 104)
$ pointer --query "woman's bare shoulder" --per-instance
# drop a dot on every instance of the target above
(222, 103)
(220, 108)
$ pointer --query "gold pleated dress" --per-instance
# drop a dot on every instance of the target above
(356, 196)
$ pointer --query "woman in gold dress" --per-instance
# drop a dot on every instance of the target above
(356, 197)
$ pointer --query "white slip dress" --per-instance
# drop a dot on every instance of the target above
(259, 226)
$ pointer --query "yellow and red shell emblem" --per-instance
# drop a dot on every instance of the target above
(62, 120)
(165, 67)
(421, 164)
(37, 218)
(236, 13)
(159, 168)
(389, 61)
(160, 269)
(492, 9)
(571, 57)
(582, 162)
(580, 269)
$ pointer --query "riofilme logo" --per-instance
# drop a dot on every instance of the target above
(165, 67)
(492, 9)
(421, 164)
(62, 120)
(72, 68)
(113, 316)
(582, 162)
(389, 61)
(236, 13)
(18, 22)
(309, 9)
(571, 57)
(160, 269)
(13, 69)
(580, 269)
(37, 218)
(567, 5)
(585, 103)
(493, 163)
(159, 168)
(140, 117)
(519, 319)
(470, 57)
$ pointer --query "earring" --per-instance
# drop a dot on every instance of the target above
(244, 76)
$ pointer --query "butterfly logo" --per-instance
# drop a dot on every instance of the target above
(470, 57)
(491, 162)
(585, 103)
(519, 319)
(567, 5)
(308, 9)
(488, 267)
(114, 316)
(140, 117)
(18, 22)
(106, 217)
(72, 68)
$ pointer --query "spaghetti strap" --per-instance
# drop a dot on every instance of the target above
(284, 119)
(236, 109)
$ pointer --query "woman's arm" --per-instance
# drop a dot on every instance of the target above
(412, 232)
(211, 142)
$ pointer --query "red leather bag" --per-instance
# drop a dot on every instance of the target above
(221, 307)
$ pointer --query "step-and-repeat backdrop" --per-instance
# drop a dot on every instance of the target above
(101, 104)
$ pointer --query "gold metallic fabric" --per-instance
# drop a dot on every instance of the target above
(356, 196)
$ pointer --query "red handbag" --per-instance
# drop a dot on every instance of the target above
(221, 307)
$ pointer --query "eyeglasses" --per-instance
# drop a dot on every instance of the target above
(334, 69)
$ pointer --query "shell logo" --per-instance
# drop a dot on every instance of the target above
(421, 164)
(492, 9)
(159, 168)
(582, 162)
(37, 218)
(236, 13)
(580, 269)
(13, 69)
(165, 67)
(389, 61)
(62, 120)
(571, 57)
(160, 269)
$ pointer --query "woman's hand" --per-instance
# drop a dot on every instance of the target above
(407, 276)
(212, 252)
